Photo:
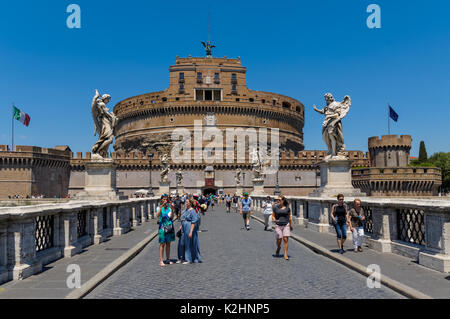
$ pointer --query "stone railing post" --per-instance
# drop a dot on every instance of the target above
(300, 218)
(319, 212)
(134, 221)
(69, 234)
(22, 249)
(117, 222)
(146, 210)
(437, 241)
(384, 228)
(97, 217)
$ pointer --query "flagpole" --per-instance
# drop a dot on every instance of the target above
(12, 125)
(389, 122)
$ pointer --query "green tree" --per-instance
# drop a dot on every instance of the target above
(442, 160)
(422, 152)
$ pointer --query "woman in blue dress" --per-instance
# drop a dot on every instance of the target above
(188, 248)
(164, 213)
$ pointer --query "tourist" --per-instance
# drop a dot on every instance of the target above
(177, 207)
(235, 203)
(339, 216)
(166, 230)
(228, 202)
(267, 206)
(281, 216)
(188, 247)
(357, 217)
(246, 210)
(212, 200)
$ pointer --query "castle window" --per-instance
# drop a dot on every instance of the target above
(286, 105)
(208, 95)
(274, 102)
(199, 77)
(217, 95)
(216, 78)
(181, 89)
(164, 99)
(263, 101)
(251, 100)
(233, 89)
(181, 79)
(233, 78)
(237, 99)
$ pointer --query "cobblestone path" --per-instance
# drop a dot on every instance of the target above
(237, 264)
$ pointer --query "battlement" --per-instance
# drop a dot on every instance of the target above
(390, 141)
(301, 159)
(208, 60)
(22, 150)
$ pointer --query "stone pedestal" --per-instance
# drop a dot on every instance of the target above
(100, 181)
(258, 188)
(164, 188)
(336, 178)
(239, 190)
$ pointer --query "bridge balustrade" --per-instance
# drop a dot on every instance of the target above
(34, 236)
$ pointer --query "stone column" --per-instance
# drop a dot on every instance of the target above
(117, 224)
(97, 215)
(437, 240)
(319, 216)
(300, 219)
(134, 221)
(146, 211)
(22, 249)
(3, 253)
(384, 229)
(69, 234)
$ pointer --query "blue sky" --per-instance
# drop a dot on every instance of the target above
(302, 49)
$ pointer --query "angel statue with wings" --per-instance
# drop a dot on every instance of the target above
(332, 132)
(165, 168)
(238, 177)
(257, 164)
(104, 123)
(208, 48)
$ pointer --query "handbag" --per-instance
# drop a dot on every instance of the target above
(179, 233)
(168, 229)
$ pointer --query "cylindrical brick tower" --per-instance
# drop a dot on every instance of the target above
(389, 150)
(214, 91)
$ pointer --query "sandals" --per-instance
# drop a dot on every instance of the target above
(162, 264)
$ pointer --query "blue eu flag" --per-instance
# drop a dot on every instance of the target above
(392, 114)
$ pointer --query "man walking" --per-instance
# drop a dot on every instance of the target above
(246, 210)
(228, 202)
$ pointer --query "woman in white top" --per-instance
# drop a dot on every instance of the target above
(267, 206)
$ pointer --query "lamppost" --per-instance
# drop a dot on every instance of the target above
(243, 177)
(150, 190)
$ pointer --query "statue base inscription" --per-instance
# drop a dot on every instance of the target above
(164, 188)
(336, 178)
(100, 181)
(258, 187)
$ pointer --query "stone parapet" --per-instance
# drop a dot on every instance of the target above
(416, 228)
(33, 236)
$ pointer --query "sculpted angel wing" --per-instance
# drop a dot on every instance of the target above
(95, 116)
(204, 44)
(345, 106)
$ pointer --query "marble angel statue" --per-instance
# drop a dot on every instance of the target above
(105, 123)
(332, 132)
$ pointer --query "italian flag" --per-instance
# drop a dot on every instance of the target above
(22, 117)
